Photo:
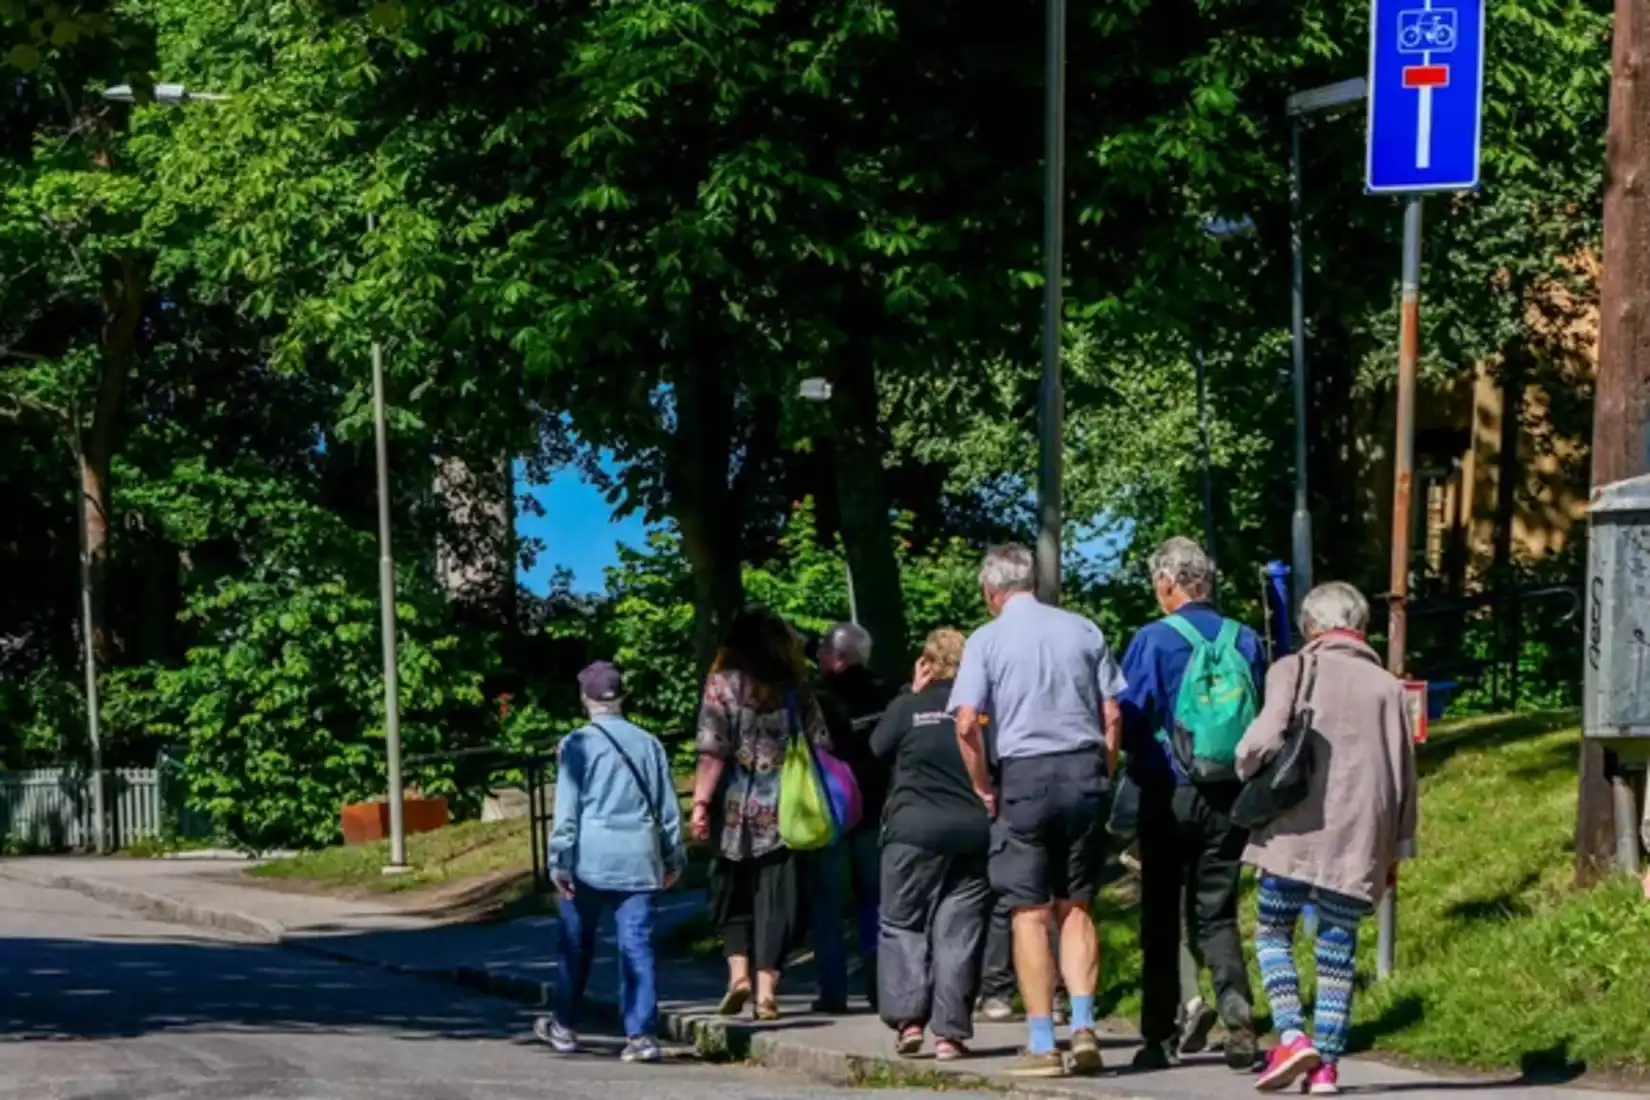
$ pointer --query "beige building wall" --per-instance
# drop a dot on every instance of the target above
(1541, 490)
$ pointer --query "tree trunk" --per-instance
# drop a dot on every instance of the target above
(697, 478)
(1621, 434)
(862, 495)
(476, 545)
(126, 282)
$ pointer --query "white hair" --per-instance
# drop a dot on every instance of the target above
(598, 708)
(850, 641)
(1334, 606)
(1183, 564)
(1009, 568)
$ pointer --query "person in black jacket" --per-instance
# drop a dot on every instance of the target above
(853, 699)
(935, 836)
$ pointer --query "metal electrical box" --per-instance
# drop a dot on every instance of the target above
(1617, 641)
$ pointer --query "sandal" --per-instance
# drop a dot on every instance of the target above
(734, 1000)
(767, 1011)
(949, 1050)
(909, 1041)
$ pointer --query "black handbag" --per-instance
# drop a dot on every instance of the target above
(1283, 782)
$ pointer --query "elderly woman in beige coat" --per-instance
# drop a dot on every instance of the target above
(1337, 847)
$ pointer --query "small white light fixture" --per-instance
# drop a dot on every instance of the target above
(167, 94)
(814, 389)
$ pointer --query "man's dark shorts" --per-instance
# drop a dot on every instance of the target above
(1049, 840)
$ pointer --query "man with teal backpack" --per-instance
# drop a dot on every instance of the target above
(1194, 683)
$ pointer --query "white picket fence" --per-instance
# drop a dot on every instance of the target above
(50, 809)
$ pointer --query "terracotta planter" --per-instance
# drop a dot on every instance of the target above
(366, 822)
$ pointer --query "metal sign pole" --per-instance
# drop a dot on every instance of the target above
(1426, 98)
(1409, 353)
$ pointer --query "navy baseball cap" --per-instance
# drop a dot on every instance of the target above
(601, 682)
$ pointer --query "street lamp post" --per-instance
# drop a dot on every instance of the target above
(386, 615)
(1220, 229)
(1326, 99)
(1051, 410)
(167, 95)
(172, 95)
(819, 390)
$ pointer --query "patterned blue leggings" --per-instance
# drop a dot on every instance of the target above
(1281, 902)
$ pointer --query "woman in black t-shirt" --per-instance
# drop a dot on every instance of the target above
(935, 834)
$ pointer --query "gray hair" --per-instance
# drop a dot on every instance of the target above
(850, 641)
(1184, 564)
(1334, 606)
(599, 708)
(1009, 568)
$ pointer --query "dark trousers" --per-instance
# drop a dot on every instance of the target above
(756, 904)
(997, 957)
(1190, 867)
(851, 864)
(934, 913)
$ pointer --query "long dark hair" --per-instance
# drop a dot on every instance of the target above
(763, 646)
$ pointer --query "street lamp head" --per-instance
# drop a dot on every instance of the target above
(1329, 97)
(170, 95)
(1222, 228)
(814, 389)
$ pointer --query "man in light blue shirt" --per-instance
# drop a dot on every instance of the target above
(1049, 684)
(617, 842)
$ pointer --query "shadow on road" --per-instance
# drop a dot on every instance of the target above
(125, 987)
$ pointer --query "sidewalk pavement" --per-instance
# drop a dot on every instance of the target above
(516, 959)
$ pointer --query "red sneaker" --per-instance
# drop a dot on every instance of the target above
(1285, 1065)
(1323, 1081)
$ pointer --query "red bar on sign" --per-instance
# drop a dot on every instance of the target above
(1426, 76)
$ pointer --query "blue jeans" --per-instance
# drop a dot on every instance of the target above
(581, 918)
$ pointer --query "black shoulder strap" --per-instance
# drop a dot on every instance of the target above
(1307, 685)
(635, 772)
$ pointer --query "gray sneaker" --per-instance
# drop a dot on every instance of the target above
(1242, 1046)
(1197, 1020)
(995, 1010)
(562, 1040)
(643, 1048)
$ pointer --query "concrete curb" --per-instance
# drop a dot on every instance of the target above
(712, 1037)
(157, 906)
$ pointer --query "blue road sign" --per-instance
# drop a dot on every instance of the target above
(1426, 95)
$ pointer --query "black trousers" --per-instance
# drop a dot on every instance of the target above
(1190, 867)
(757, 905)
(934, 912)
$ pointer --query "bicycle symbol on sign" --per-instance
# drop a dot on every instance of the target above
(1426, 31)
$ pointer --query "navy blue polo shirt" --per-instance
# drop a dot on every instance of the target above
(1154, 665)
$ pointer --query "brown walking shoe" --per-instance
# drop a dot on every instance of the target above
(1052, 1064)
(1085, 1052)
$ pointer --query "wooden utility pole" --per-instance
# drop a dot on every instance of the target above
(1621, 436)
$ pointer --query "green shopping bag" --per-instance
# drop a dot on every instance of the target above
(805, 823)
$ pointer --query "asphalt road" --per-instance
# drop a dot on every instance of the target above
(98, 1003)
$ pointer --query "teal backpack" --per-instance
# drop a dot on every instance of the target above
(1216, 703)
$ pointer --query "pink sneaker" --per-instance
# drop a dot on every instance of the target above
(1323, 1081)
(1285, 1065)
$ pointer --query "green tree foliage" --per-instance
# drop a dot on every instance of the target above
(644, 621)
(634, 228)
